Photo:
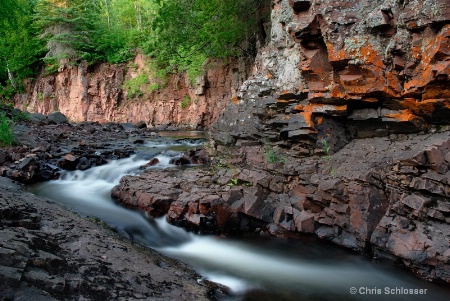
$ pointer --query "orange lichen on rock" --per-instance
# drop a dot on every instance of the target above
(280, 100)
(338, 92)
(235, 100)
(369, 55)
(393, 86)
(309, 110)
(307, 115)
(436, 92)
(336, 56)
(403, 116)
(418, 108)
(369, 99)
(299, 108)
(433, 63)
(308, 118)
(319, 120)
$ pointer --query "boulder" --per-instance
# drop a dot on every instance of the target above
(180, 161)
(152, 162)
(69, 162)
(57, 117)
(140, 124)
(38, 118)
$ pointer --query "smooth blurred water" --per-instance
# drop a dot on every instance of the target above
(277, 269)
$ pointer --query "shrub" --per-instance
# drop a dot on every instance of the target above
(6, 130)
(326, 148)
(133, 85)
(153, 87)
(274, 156)
(185, 102)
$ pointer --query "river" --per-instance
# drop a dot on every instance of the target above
(254, 268)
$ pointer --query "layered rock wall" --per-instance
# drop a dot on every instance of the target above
(133, 92)
(372, 67)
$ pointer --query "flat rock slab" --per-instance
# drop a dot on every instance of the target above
(50, 253)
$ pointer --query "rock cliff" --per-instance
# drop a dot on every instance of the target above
(348, 69)
(133, 92)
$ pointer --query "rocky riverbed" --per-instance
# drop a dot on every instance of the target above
(50, 253)
(384, 196)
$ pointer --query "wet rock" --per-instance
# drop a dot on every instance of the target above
(197, 156)
(128, 127)
(175, 193)
(62, 257)
(138, 141)
(26, 163)
(48, 172)
(69, 162)
(83, 164)
(38, 118)
(4, 156)
(152, 162)
(180, 161)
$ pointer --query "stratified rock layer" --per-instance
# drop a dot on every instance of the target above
(133, 92)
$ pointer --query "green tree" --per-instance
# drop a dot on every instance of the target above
(20, 50)
(124, 25)
(68, 27)
(186, 32)
(8, 9)
(179, 34)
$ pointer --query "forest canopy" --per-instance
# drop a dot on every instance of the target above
(179, 35)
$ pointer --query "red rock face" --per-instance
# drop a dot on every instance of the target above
(100, 94)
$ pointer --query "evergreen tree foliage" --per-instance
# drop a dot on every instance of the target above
(8, 9)
(68, 27)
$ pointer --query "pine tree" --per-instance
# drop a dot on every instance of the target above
(68, 28)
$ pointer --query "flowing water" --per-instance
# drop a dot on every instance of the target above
(254, 268)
